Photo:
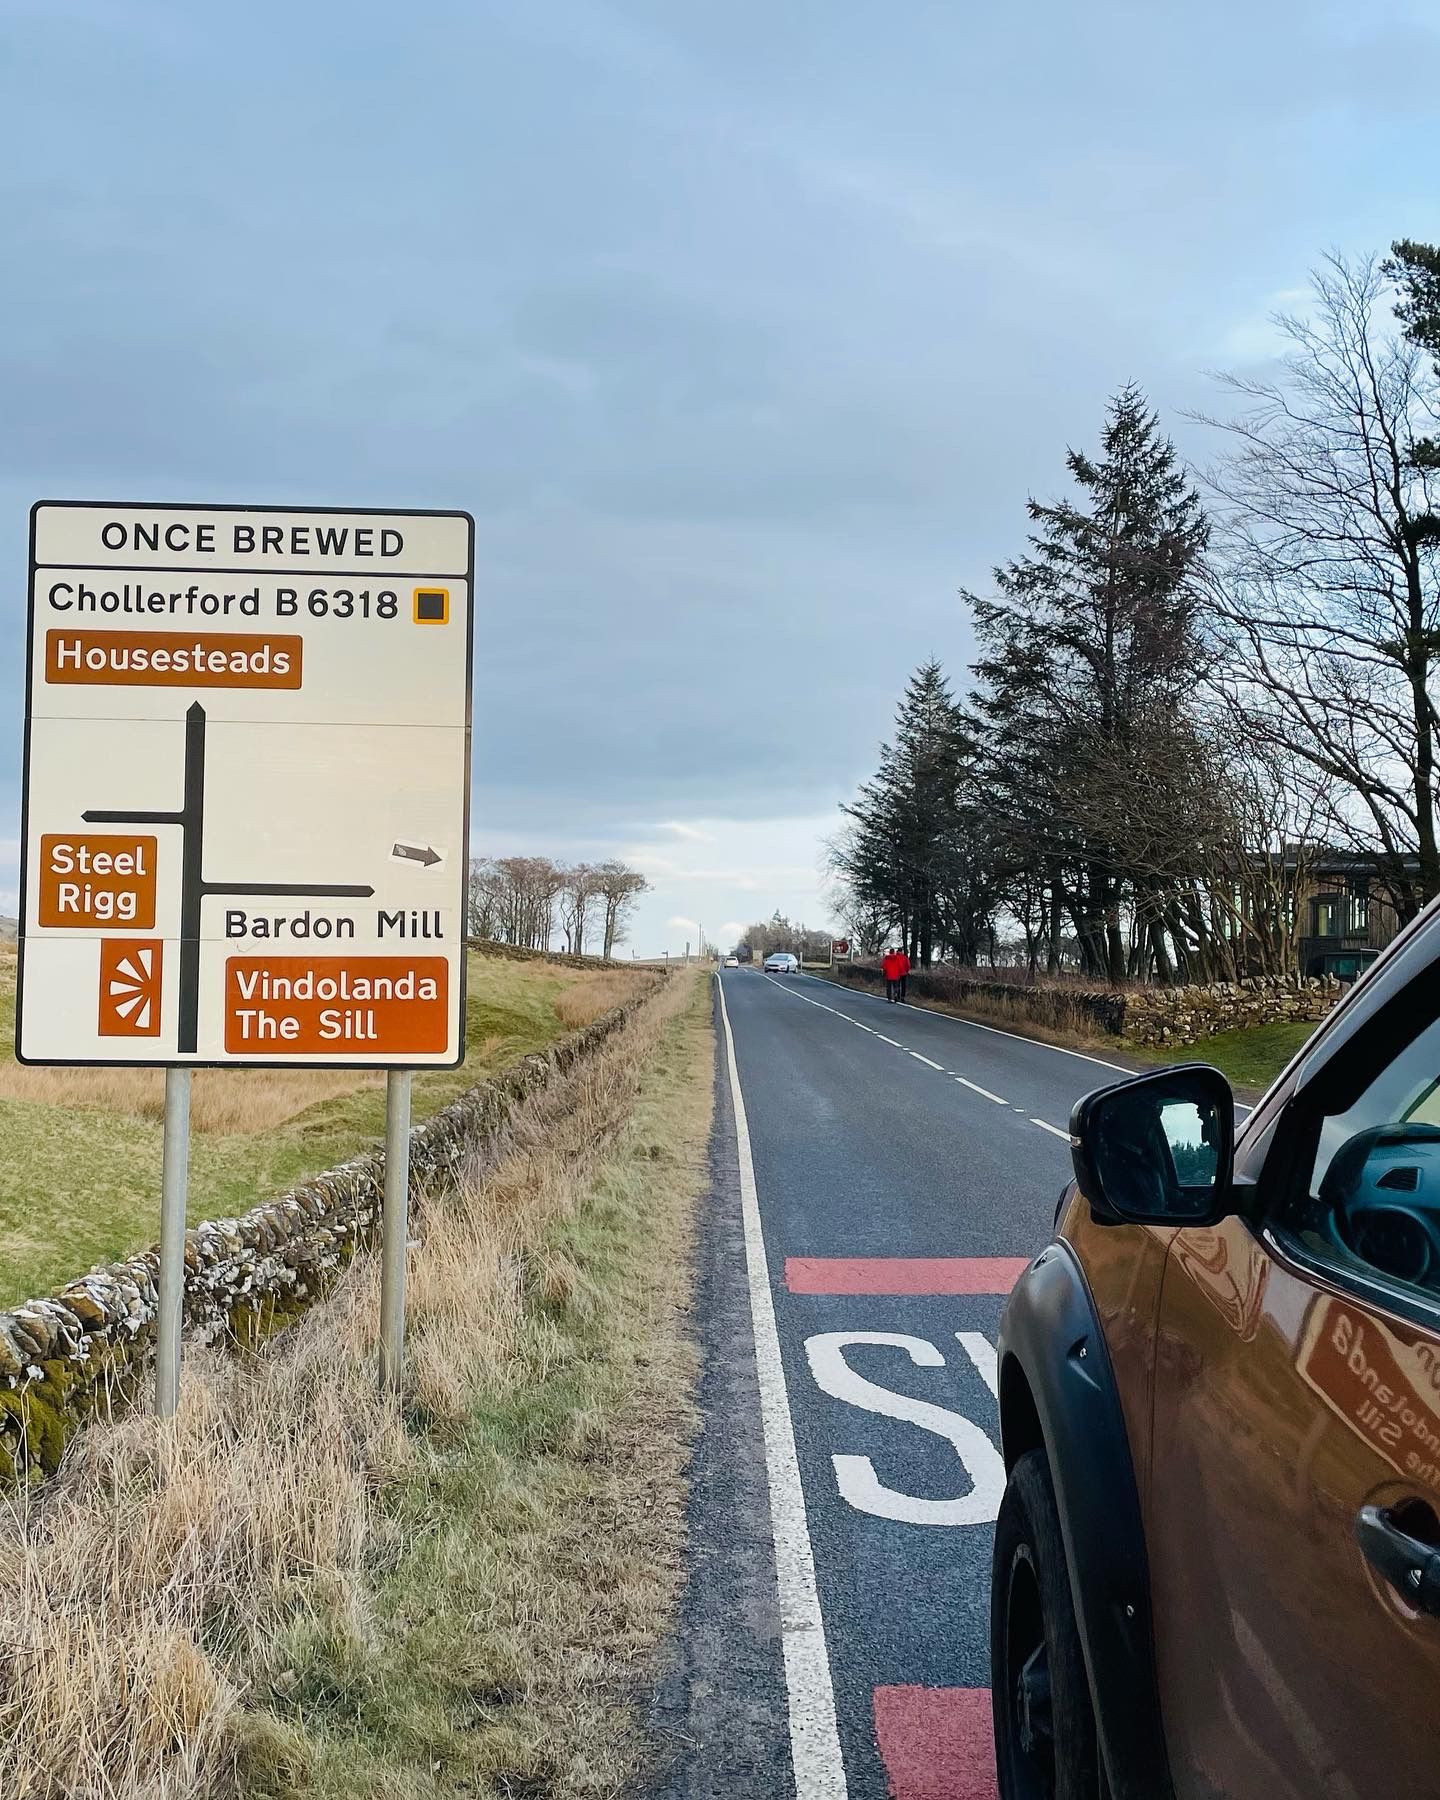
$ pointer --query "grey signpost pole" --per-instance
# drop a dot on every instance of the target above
(174, 1183)
(395, 1228)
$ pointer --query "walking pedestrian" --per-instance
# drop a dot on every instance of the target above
(894, 966)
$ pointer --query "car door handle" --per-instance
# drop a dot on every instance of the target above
(1411, 1566)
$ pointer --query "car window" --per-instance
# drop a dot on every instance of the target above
(1367, 1194)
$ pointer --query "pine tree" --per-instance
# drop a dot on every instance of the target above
(1415, 268)
(1089, 648)
(904, 856)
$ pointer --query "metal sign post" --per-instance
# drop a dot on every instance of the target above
(246, 812)
(174, 1187)
(395, 1229)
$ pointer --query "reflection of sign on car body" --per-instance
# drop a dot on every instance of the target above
(1387, 1391)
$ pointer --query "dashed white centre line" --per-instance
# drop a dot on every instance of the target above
(975, 1088)
(1054, 1130)
(926, 1060)
(893, 1042)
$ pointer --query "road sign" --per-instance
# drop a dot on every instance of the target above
(247, 753)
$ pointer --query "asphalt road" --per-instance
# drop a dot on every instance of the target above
(879, 1179)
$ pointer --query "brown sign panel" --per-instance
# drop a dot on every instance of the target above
(183, 659)
(131, 971)
(340, 1006)
(99, 882)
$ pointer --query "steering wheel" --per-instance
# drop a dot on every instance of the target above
(1372, 1191)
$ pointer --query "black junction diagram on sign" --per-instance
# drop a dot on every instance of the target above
(194, 888)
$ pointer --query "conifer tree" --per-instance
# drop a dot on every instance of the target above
(1088, 650)
(904, 855)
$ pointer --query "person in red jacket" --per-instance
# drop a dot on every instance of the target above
(895, 966)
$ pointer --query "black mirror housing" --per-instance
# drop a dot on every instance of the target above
(1158, 1150)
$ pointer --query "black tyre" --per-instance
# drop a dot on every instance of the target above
(1044, 1721)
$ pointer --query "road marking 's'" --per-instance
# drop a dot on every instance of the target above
(926, 1060)
(814, 1735)
(855, 1475)
(903, 1274)
(975, 1088)
(1054, 1130)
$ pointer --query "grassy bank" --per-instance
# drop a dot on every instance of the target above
(297, 1589)
(1251, 1058)
(80, 1178)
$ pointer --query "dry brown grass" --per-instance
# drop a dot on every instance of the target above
(295, 1588)
(222, 1101)
(593, 995)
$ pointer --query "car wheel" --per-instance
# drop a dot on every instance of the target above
(1044, 1723)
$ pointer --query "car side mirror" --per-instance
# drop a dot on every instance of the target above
(1158, 1150)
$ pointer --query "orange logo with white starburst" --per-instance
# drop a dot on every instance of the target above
(130, 987)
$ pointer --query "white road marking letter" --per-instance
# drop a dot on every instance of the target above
(856, 1475)
(982, 1353)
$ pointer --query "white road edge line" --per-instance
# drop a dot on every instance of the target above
(926, 1060)
(814, 1734)
(975, 1088)
(1054, 1130)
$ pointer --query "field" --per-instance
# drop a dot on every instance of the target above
(80, 1177)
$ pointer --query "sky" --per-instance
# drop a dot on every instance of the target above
(743, 330)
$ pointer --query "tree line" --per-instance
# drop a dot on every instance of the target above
(767, 936)
(529, 901)
(1191, 685)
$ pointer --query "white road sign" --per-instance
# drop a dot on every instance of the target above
(247, 757)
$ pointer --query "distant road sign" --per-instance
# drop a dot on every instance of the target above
(839, 948)
(246, 812)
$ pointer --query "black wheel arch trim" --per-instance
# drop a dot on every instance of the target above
(1051, 1335)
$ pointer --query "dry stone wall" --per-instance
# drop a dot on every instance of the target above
(1181, 1015)
(84, 1351)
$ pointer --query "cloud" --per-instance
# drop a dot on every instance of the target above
(692, 833)
(684, 924)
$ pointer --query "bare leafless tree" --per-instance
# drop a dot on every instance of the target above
(1324, 593)
(578, 894)
(618, 888)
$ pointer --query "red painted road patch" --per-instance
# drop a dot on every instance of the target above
(936, 1743)
(903, 1274)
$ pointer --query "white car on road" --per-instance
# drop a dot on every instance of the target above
(782, 963)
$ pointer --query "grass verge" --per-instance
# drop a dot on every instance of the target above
(298, 1589)
(80, 1180)
(1251, 1058)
